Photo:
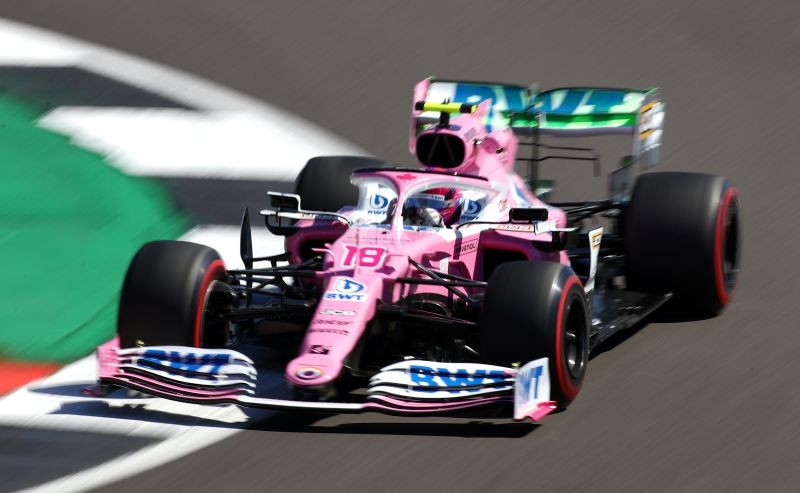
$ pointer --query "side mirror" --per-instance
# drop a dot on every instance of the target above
(284, 201)
(527, 215)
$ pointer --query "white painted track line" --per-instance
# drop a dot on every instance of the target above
(236, 136)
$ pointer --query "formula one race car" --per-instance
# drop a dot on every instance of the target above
(432, 289)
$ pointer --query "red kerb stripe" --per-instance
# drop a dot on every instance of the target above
(14, 375)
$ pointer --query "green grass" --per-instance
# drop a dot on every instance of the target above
(69, 225)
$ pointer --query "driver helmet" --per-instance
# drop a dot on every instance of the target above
(445, 200)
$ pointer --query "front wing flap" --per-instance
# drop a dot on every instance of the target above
(223, 376)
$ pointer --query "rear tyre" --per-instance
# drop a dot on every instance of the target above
(166, 295)
(324, 183)
(534, 310)
(683, 234)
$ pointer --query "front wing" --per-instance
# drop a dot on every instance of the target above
(412, 387)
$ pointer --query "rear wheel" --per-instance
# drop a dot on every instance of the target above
(324, 183)
(534, 310)
(682, 234)
(167, 294)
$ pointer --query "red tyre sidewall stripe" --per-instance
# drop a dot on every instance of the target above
(568, 389)
(719, 246)
(213, 269)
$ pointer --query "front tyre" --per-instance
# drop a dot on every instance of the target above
(534, 310)
(166, 293)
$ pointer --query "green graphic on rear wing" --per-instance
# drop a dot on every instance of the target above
(598, 111)
(572, 111)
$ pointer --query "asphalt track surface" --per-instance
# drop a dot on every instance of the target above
(676, 405)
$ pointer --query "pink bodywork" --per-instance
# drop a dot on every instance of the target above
(339, 324)
(363, 262)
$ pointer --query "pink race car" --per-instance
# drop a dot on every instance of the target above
(438, 288)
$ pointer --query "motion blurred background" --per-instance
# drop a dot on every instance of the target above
(98, 156)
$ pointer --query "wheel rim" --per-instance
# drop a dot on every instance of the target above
(730, 245)
(215, 331)
(214, 269)
(574, 342)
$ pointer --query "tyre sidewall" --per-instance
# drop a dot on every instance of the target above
(164, 294)
(525, 310)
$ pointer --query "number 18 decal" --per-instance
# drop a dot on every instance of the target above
(363, 256)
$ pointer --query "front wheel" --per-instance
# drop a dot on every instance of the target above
(534, 310)
(166, 296)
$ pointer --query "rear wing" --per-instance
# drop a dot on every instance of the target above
(582, 111)
(565, 112)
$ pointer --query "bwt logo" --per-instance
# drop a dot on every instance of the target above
(527, 383)
(346, 289)
(348, 286)
(433, 379)
(472, 207)
(344, 297)
(378, 202)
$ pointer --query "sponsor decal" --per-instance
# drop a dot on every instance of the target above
(346, 289)
(359, 298)
(378, 201)
(516, 227)
(378, 204)
(531, 388)
(388, 239)
(468, 247)
(406, 176)
(338, 313)
(596, 236)
(325, 330)
(331, 322)
(319, 349)
(472, 207)
(348, 286)
(650, 127)
(527, 383)
(430, 196)
(308, 372)
(435, 378)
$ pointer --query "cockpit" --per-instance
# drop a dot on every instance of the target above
(432, 203)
